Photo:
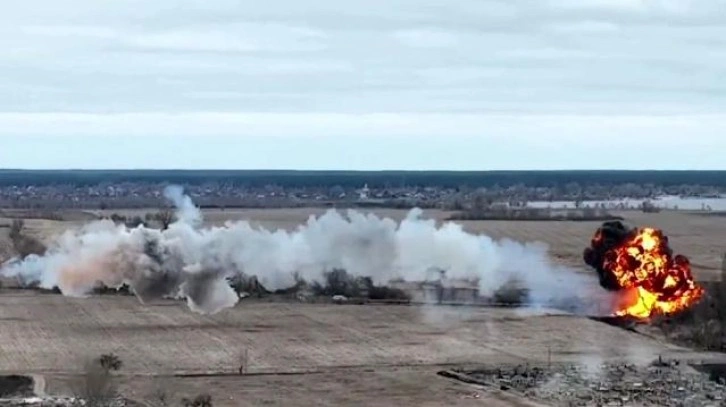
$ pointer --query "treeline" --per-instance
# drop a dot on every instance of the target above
(535, 214)
(354, 179)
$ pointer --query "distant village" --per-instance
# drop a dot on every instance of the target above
(220, 195)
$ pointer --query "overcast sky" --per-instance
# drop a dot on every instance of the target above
(374, 84)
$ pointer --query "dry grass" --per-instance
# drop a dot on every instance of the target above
(395, 386)
(363, 354)
(167, 337)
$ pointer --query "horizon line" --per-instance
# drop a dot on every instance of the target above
(354, 170)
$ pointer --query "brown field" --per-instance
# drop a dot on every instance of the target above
(297, 354)
(313, 355)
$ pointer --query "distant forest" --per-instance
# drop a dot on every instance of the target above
(353, 179)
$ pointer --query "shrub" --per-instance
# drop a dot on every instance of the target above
(110, 361)
(247, 284)
(387, 293)
(102, 289)
(336, 282)
(202, 400)
(511, 293)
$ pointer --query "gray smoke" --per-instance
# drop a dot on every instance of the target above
(193, 262)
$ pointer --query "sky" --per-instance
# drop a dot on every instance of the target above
(363, 85)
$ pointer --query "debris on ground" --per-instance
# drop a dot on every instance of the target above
(662, 383)
(61, 402)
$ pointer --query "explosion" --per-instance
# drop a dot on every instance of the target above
(640, 263)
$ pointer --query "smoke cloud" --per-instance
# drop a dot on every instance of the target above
(190, 261)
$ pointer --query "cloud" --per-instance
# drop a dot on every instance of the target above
(246, 37)
(587, 26)
(331, 66)
(425, 38)
(560, 128)
(619, 5)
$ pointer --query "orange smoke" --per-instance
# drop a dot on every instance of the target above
(655, 283)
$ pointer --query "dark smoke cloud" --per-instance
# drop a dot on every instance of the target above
(608, 237)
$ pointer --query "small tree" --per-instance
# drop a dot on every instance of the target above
(165, 217)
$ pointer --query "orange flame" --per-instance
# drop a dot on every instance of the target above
(655, 282)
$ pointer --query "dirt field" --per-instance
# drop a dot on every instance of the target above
(312, 355)
(297, 354)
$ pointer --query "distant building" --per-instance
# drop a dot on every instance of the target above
(364, 193)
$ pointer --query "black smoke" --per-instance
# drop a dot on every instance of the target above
(607, 237)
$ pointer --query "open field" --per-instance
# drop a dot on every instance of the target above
(279, 337)
(307, 355)
(297, 354)
(701, 238)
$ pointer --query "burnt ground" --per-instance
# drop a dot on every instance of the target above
(660, 383)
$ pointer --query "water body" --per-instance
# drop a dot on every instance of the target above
(665, 202)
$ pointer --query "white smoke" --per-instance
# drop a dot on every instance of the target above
(186, 211)
(194, 262)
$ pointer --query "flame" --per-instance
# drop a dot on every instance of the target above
(654, 281)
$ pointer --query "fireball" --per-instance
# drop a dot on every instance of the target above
(640, 264)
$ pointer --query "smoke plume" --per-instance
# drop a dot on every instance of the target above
(186, 211)
(190, 261)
